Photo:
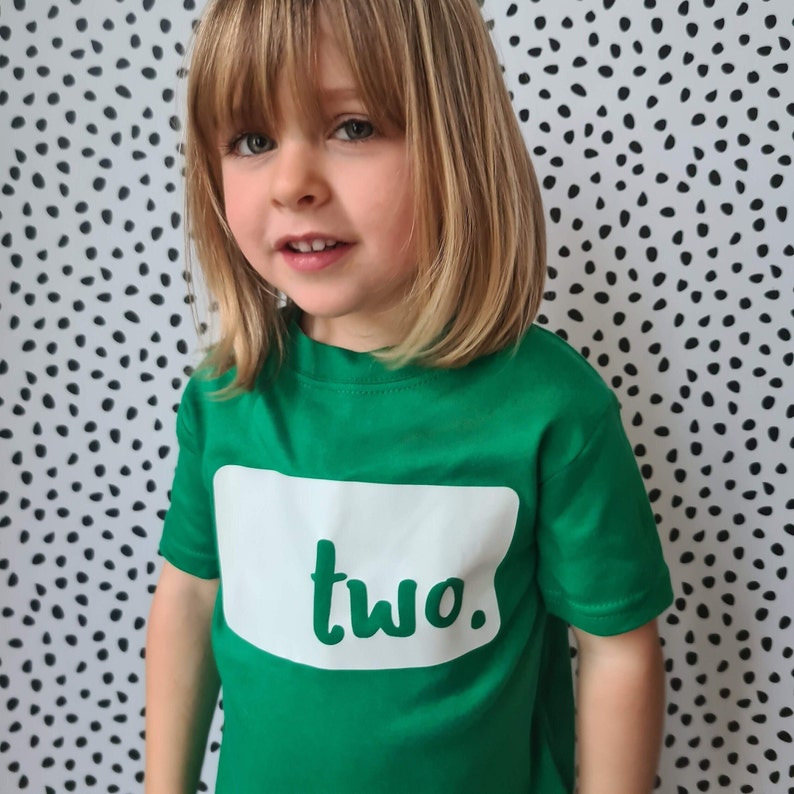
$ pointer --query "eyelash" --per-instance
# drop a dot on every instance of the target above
(232, 147)
(366, 122)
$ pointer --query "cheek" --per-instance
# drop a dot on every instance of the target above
(394, 207)
(231, 201)
(237, 206)
(404, 209)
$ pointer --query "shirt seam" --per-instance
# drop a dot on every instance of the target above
(624, 605)
(601, 420)
(363, 387)
(166, 547)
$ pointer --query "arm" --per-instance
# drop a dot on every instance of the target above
(181, 681)
(620, 709)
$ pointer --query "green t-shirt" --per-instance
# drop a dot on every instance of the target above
(399, 553)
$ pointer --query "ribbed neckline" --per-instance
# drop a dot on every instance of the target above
(331, 364)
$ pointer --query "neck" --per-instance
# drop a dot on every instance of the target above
(360, 337)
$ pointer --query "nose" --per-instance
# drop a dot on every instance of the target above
(298, 178)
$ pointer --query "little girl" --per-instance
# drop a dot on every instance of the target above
(394, 493)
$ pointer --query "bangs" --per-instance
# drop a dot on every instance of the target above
(246, 49)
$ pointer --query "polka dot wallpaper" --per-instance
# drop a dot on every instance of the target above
(662, 134)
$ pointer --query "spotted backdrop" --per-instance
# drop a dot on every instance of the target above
(662, 134)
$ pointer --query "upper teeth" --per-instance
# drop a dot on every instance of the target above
(304, 246)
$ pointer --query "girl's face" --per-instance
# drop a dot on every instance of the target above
(323, 211)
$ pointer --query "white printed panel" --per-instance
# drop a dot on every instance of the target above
(365, 576)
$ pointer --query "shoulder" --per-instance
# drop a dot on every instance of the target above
(557, 376)
(554, 398)
(206, 401)
(204, 387)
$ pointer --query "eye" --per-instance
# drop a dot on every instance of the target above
(251, 144)
(355, 130)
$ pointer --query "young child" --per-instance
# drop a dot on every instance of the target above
(393, 492)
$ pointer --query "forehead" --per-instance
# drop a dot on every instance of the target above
(333, 73)
(313, 82)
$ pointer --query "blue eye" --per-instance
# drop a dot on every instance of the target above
(252, 143)
(355, 130)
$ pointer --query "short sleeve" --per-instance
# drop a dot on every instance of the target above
(600, 566)
(188, 540)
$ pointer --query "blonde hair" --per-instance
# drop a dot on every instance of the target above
(426, 68)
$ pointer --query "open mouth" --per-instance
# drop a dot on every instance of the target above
(313, 246)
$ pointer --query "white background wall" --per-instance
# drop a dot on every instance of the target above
(662, 133)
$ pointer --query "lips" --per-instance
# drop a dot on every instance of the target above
(311, 252)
